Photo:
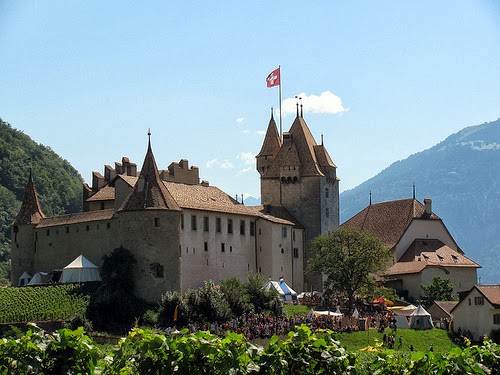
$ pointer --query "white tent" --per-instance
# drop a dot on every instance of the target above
(39, 278)
(24, 279)
(284, 290)
(355, 314)
(79, 271)
(421, 319)
(404, 311)
(328, 313)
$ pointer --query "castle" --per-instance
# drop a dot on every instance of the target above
(183, 231)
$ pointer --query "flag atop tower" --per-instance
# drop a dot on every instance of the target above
(273, 79)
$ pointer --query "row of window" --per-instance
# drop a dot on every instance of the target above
(218, 225)
(67, 229)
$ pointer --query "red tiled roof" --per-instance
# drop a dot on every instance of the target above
(104, 194)
(272, 142)
(80, 217)
(388, 220)
(30, 212)
(149, 191)
(492, 293)
(432, 253)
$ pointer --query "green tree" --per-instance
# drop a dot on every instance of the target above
(349, 259)
(261, 298)
(236, 295)
(438, 289)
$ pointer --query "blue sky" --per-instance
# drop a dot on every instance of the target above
(380, 80)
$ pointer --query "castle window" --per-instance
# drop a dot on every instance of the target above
(182, 221)
(281, 268)
(157, 222)
(48, 232)
(205, 223)
(67, 229)
(479, 300)
(284, 231)
(327, 212)
(230, 249)
(252, 228)
(496, 318)
(248, 267)
(327, 192)
(218, 225)
(469, 302)
(293, 235)
(222, 247)
(295, 252)
(205, 246)
(230, 226)
(187, 250)
(260, 270)
(108, 225)
(87, 228)
(193, 222)
(260, 231)
(102, 205)
(156, 270)
(282, 251)
(242, 227)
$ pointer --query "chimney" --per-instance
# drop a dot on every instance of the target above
(428, 206)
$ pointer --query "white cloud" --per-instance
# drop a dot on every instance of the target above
(245, 170)
(214, 163)
(239, 120)
(211, 163)
(226, 164)
(327, 102)
(260, 132)
(247, 157)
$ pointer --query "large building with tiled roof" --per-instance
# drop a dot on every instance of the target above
(181, 231)
(299, 175)
(420, 244)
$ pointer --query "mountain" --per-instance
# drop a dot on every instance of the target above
(462, 176)
(58, 184)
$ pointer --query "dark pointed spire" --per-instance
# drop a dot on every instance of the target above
(297, 105)
(149, 191)
(301, 110)
(370, 197)
(30, 212)
(414, 193)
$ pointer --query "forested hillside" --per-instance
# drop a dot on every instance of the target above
(461, 175)
(58, 184)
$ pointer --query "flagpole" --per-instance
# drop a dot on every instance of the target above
(281, 129)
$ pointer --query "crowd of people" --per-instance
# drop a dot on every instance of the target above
(254, 326)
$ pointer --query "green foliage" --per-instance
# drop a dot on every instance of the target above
(262, 299)
(438, 289)
(64, 352)
(208, 304)
(58, 184)
(114, 307)
(236, 295)
(41, 303)
(348, 258)
(170, 302)
(302, 352)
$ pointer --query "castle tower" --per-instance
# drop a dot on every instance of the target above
(301, 177)
(24, 241)
(149, 223)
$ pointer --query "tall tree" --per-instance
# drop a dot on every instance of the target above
(349, 259)
(438, 289)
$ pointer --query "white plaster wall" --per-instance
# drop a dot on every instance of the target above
(430, 229)
(199, 265)
(476, 318)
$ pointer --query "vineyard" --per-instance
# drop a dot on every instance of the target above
(302, 352)
(43, 303)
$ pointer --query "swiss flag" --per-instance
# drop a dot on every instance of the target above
(273, 79)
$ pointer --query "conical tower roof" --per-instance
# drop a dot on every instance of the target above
(149, 191)
(305, 143)
(30, 212)
(272, 141)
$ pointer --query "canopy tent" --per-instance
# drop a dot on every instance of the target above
(323, 313)
(401, 321)
(355, 314)
(79, 271)
(24, 279)
(420, 319)
(39, 278)
(382, 301)
(403, 310)
(284, 290)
